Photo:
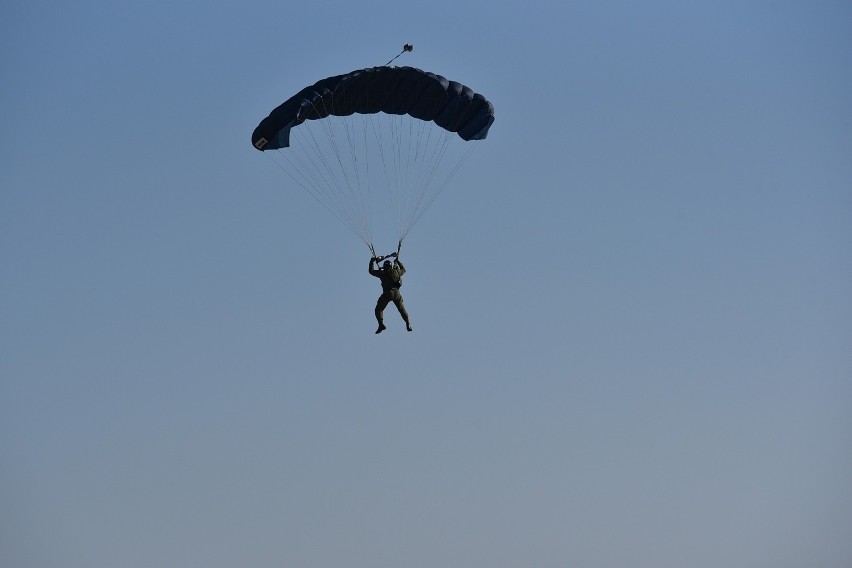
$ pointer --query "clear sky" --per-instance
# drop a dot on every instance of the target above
(632, 309)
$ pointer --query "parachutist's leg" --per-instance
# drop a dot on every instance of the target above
(381, 304)
(397, 301)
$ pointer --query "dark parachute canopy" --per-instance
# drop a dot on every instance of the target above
(393, 90)
(334, 167)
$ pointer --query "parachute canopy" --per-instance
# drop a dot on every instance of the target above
(392, 90)
(401, 128)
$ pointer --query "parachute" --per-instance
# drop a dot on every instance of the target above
(400, 128)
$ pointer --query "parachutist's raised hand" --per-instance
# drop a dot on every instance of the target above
(393, 255)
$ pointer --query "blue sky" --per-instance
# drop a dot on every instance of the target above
(631, 308)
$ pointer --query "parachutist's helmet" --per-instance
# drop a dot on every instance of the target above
(386, 264)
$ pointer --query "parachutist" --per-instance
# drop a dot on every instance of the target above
(391, 278)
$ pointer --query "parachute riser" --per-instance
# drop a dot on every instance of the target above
(389, 255)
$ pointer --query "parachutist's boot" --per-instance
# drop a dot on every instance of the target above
(408, 326)
(381, 327)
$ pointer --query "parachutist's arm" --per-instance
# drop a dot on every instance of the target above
(370, 268)
(402, 268)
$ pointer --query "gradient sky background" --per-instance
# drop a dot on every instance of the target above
(632, 309)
